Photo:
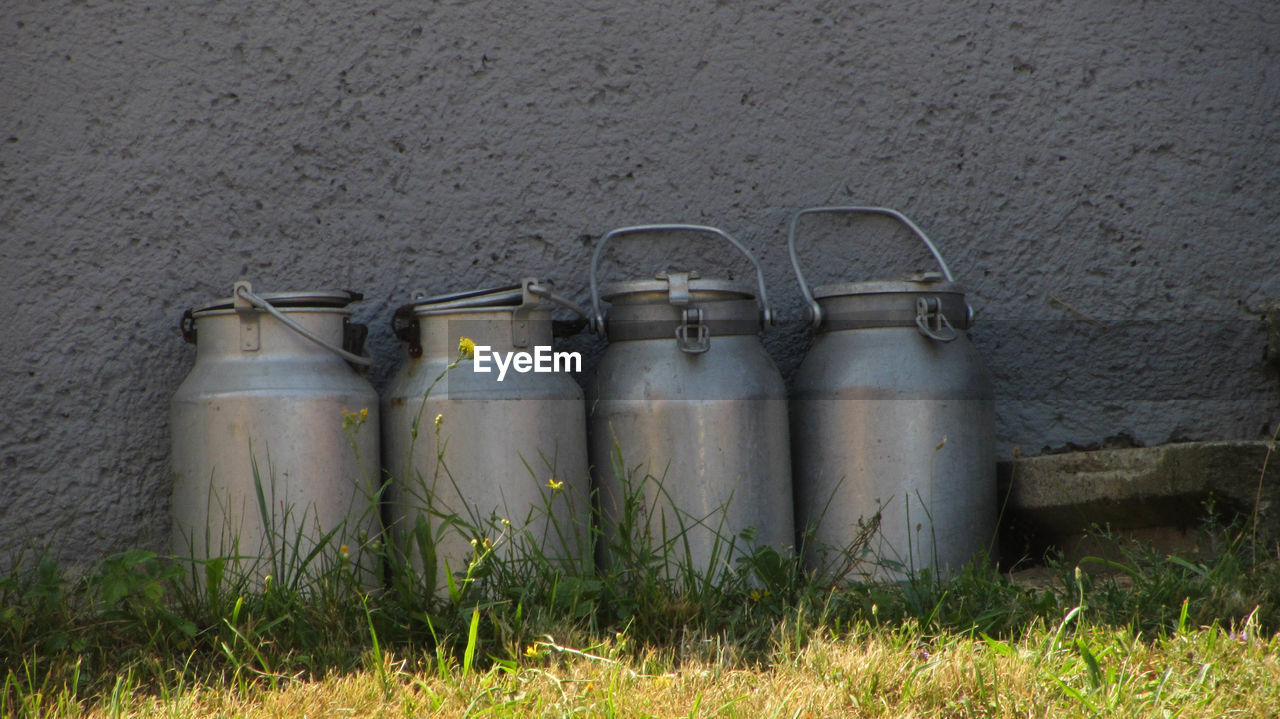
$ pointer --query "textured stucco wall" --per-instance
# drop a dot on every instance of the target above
(1102, 176)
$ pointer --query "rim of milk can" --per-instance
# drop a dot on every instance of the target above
(530, 291)
(662, 282)
(682, 281)
(530, 295)
(244, 300)
(930, 318)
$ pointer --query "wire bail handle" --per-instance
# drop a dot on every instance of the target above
(815, 312)
(244, 292)
(597, 316)
(536, 294)
(545, 289)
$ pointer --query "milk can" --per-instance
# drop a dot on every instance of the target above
(892, 418)
(688, 421)
(275, 436)
(486, 449)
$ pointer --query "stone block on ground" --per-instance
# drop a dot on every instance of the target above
(1155, 494)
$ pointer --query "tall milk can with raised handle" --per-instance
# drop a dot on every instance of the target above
(892, 421)
(688, 420)
(480, 459)
(275, 436)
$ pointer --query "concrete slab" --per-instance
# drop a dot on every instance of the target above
(1156, 494)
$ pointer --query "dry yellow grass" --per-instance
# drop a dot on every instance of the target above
(870, 673)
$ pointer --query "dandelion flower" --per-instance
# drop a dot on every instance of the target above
(466, 348)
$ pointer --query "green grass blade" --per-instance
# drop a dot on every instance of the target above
(469, 656)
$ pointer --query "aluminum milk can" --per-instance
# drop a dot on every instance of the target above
(892, 414)
(688, 421)
(473, 453)
(275, 435)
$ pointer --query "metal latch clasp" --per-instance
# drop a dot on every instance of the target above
(692, 336)
(529, 301)
(249, 315)
(932, 321)
(678, 286)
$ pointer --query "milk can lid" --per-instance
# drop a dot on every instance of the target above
(930, 282)
(530, 294)
(507, 296)
(322, 298)
(927, 302)
(713, 285)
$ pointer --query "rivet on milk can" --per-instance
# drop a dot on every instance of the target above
(275, 437)
(688, 421)
(892, 417)
(487, 445)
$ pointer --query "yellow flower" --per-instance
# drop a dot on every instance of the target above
(553, 485)
(466, 348)
(354, 419)
(531, 651)
(439, 419)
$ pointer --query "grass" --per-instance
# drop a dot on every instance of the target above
(517, 632)
(870, 668)
(1143, 635)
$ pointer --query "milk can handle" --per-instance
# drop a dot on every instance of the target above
(547, 292)
(243, 291)
(597, 317)
(815, 312)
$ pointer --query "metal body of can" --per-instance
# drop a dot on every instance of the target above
(499, 459)
(275, 436)
(688, 421)
(893, 422)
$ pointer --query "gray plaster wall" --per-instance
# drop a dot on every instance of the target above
(1102, 177)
